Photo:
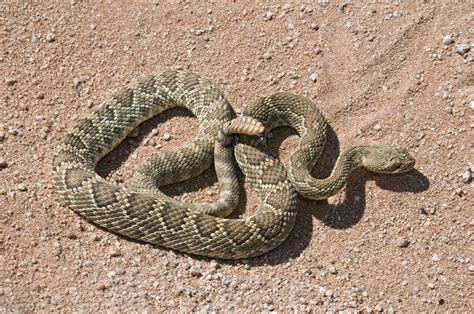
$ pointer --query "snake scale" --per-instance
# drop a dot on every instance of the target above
(142, 212)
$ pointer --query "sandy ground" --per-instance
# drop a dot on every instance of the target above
(381, 72)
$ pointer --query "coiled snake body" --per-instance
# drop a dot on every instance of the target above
(146, 214)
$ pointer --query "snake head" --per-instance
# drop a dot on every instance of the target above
(381, 158)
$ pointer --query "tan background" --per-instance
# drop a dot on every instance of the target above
(384, 74)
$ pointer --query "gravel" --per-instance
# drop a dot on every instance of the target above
(377, 127)
(267, 56)
(463, 48)
(402, 242)
(467, 176)
(471, 105)
(269, 16)
(195, 271)
(332, 270)
(448, 39)
(40, 118)
(101, 106)
(55, 261)
(3, 163)
(424, 211)
(135, 133)
(50, 37)
(10, 81)
(313, 77)
(292, 75)
(166, 136)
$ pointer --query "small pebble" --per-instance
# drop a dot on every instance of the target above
(431, 285)
(416, 289)
(471, 268)
(402, 242)
(267, 56)
(214, 265)
(13, 131)
(423, 211)
(21, 187)
(166, 136)
(448, 39)
(287, 7)
(377, 127)
(101, 106)
(195, 271)
(329, 293)
(292, 75)
(134, 133)
(3, 163)
(471, 105)
(55, 298)
(10, 81)
(50, 37)
(314, 26)
(313, 77)
(333, 270)
(269, 16)
(115, 253)
(463, 48)
(398, 13)
(466, 176)
(39, 118)
(76, 82)
(435, 258)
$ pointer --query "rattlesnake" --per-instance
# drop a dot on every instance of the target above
(146, 214)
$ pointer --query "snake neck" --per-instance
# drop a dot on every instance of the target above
(318, 189)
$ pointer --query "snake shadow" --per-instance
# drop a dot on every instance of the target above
(119, 155)
(340, 216)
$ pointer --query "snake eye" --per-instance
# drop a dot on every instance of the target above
(397, 165)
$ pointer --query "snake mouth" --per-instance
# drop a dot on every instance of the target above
(411, 165)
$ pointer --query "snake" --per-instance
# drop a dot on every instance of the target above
(142, 212)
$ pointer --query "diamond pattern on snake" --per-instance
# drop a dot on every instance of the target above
(144, 213)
